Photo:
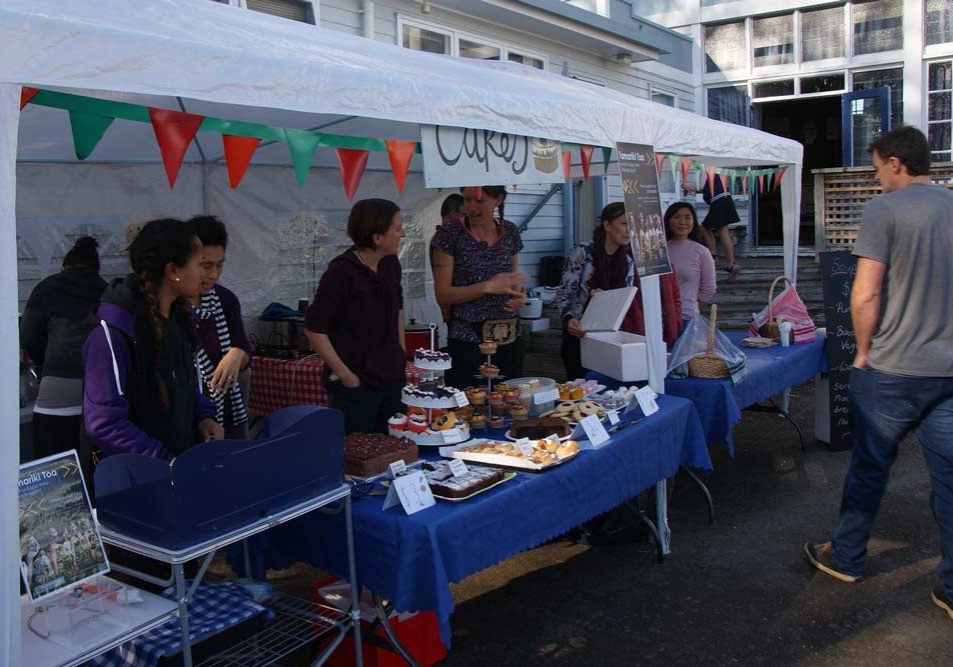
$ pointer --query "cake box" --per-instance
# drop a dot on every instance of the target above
(604, 349)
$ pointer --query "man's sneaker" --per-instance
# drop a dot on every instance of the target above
(819, 556)
(942, 600)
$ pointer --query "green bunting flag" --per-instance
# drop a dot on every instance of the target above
(88, 129)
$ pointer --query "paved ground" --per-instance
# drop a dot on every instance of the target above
(735, 593)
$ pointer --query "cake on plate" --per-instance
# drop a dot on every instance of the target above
(432, 360)
(444, 484)
(429, 394)
(540, 427)
(367, 454)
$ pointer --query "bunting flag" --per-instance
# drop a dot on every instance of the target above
(779, 176)
(27, 94)
(585, 156)
(761, 184)
(659, 161)
(606, 157)
(301, 145)
(567, 165)
(238, 155)
(88, 129)
(744, 185)
(724, 183)
(174, 132)
(686, 163)
(352, 162)
(399, 153)
(673, 169)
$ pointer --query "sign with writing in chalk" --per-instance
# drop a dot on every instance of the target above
(837, 273)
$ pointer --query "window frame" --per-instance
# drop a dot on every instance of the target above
(926, 122)
(455, 35)
(655, 89)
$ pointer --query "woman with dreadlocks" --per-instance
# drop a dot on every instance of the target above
(141, 392)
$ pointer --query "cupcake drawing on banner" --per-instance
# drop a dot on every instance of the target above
(545, 155)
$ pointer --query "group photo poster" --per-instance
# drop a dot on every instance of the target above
(643, 208)
(60, 544)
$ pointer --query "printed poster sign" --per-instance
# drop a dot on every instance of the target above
(457, 157)
(59, 541)
(643, 208)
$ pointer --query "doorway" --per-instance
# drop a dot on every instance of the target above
(816, 124)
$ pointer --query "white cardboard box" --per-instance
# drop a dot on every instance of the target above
(620, 355)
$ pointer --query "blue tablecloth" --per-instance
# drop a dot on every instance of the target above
(770, 371)
(411, 560)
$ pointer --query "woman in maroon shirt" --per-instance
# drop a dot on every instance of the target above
(356, 321)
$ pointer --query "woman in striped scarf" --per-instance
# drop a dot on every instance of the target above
(223, 350)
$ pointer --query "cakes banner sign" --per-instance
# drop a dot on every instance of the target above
(458, 157)
(643, 208)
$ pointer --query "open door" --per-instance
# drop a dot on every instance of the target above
(865, 115)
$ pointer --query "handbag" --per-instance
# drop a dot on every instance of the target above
(788, 307)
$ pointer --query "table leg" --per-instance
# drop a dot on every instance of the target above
(355, 588)
(701, 485)
(661, 515)
(389, 631)
(181, 595)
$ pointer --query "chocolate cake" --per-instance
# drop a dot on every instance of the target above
(443, 483)
(540, 427)
(367, 454)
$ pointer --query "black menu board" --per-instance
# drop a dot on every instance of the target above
(837, 273)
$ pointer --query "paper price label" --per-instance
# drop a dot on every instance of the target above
(450, 436)
(613, 416)
(595, 432)
(397, 468)
(461, 399)
(458, 467)
(547, 396)
(411, 492)
(526, 448)
(646, 398)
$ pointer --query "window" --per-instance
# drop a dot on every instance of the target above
(772, 88)
(471, 49)
(523, 59)
(940, 108)
(296, 10)
(822, 84)
(822, 34)
(877, 26)
(730, 104)
(667, 99)
(938, 21)
(772, 40)
(423, 39)
(892, 79)
(725, 47)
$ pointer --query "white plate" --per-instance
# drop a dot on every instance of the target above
(758, 341)
(509, 436)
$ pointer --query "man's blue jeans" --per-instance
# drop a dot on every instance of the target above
(884, 408)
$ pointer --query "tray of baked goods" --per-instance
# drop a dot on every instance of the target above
(531, 455)
(477, 479)
(573, 412)
(577, 390)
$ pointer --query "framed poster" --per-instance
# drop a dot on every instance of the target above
(643, 209)
(59, 540)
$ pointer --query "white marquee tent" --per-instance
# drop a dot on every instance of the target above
(212, 59)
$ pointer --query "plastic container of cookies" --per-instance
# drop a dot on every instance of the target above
(536, 386)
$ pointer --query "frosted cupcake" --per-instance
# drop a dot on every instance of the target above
(398, 422)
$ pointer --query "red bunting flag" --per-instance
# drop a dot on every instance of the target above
(352, 163)
(174, 132)
(659, 161)
(400, 152)
(761, 183)
(724, 182)
(686, 163)
(27, 94)
(744, 185)
(585, 156)
(238, 155)
(567, 164)
(777, 179)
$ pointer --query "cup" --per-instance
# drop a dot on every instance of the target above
(785, 328)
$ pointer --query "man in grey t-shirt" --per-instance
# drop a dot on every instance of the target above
(902, 380)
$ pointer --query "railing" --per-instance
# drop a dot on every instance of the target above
(840, 195)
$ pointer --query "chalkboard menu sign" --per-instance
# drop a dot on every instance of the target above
(837, 273)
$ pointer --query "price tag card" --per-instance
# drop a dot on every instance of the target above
(451, 436)
(411, 492)
(525, 446)
(397, 468)
(646, 398)
(594, 430)
(547, 396)
(461, 399)
(458, 467)
(613, 416)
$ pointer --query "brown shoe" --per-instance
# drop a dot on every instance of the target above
(819, 555)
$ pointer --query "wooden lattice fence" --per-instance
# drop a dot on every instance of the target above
(840, 195)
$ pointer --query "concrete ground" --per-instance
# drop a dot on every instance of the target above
(738, 592)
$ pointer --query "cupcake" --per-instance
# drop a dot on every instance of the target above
(478, 420)
(496, 398)
(398, 422)
(501, 387)
(496, 422)
(488, 347)
(489, 370)
(518, 412)
(477, 396)
(511, 395)
(444, 422)
(465, 412)
(417, 424)
(575, 393)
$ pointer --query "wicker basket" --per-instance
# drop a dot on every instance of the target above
(709, 365)
(770, 328)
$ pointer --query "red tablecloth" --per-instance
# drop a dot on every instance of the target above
(278, 383)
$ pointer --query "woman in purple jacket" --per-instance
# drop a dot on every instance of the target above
(141, 392)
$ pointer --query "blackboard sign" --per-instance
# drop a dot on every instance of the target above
(837, 274)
